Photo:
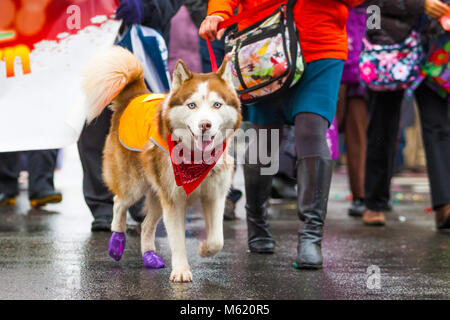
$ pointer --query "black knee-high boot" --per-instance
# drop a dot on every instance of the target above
(313, 181)
(257, 191)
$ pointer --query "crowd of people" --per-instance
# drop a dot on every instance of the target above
(331, 36)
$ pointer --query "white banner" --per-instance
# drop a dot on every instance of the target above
(45, 108)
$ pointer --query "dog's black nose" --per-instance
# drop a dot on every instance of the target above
(204, 125)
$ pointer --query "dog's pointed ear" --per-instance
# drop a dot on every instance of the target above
(225, 73)
(180, 75)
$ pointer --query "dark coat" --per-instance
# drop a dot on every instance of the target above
(158, 13)
(399, 18)
(197, 9)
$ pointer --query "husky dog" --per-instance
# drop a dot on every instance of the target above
(201, 111)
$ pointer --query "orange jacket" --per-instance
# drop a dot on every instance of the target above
(321, 24)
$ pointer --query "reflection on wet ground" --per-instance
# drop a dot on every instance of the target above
(51, 254)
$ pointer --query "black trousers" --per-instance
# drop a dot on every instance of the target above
(40, 164)
(384, 117)
(90, 147)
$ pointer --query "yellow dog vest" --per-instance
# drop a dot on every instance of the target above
(138, 123)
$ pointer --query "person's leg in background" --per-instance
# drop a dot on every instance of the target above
(9, 172)
(341, 107)
(90, 147)
(414, 152)
(230, 204)
(355, 128)
(436, 138)
(384, 121)
(96, 194)
(285, 181)
(41, 167)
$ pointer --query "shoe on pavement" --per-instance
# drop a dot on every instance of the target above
(443, 217)
(357, 208)
(283, 188)
(374, 218)
(6, 200)
(42, 198)
(230, 204)
(229, 213)
(101, 224)
(137, 211)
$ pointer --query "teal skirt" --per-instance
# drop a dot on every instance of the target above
(316, 92)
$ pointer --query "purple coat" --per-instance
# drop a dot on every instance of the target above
(356, 28)
(184, 42)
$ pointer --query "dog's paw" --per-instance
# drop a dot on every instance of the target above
(181, 275)
(116, 245)
(203, 249)
(152, 260)
(208, 250)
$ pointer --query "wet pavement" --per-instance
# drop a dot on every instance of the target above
(51, 253)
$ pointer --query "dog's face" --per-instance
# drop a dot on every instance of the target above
(203, 110)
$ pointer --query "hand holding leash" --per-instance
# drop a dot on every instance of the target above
(210, 28)
(214, 26)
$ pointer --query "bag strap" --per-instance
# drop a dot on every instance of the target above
(421, 23)
(239, 17)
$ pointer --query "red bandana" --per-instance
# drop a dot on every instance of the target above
(189, 173)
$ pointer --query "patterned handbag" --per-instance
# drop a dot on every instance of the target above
(265, 58)
(391, 67)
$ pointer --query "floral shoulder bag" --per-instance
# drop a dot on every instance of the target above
(391, 67)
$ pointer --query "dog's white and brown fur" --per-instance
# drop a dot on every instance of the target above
(114, 77)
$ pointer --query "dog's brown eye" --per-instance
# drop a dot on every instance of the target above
(191, 105)
(217, 105)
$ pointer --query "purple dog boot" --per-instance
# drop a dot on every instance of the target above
(116, 245)
(152, 260)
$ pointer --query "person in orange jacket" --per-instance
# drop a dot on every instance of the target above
(310, 105)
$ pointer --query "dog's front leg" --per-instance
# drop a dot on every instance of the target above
(119, 222)
(118, 227)
(213, 208)
(174, 220)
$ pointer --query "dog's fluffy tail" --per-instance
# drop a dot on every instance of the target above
(108, 74)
